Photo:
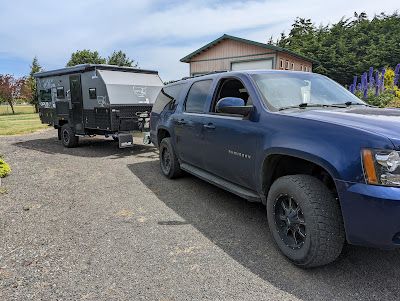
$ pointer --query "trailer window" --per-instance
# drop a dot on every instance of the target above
(60, 92)
(92, 93)
(45, 95)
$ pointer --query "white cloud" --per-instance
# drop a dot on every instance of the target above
(156, 33)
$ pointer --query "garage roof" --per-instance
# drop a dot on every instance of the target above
(187, 58)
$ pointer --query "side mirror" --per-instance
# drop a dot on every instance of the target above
(233, 105)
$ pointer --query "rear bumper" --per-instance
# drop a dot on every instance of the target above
(371, 214)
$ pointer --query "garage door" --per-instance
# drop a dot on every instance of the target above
(252, 65)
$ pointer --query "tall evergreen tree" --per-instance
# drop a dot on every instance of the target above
(348, 47)
(31, 83)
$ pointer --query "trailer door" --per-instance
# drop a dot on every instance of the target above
(76, 102)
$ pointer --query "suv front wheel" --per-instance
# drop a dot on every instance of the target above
(168, 160)
(305, 220)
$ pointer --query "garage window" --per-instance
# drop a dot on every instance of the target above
(292, 66)
(287, 65)
(281, 64)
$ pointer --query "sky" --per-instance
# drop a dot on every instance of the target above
(155, 33)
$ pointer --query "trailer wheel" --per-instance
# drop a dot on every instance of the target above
(68, 136)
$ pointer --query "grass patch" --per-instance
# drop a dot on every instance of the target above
(19, 109)
(3, 190)
(20, 124)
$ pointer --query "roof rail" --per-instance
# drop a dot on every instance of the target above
(208, 73)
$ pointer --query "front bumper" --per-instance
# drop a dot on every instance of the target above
(371, 214)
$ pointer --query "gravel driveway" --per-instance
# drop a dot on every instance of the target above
(100, 223)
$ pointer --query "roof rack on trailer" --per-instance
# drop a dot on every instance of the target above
(88, 67)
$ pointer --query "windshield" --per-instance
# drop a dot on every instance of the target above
(281, 90)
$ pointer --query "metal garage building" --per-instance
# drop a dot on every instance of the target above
(232, 53)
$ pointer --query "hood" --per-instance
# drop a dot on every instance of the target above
(379, 121)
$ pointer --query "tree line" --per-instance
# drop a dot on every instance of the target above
(24, 88)
(348, 47)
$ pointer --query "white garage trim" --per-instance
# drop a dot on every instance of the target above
(254, 64)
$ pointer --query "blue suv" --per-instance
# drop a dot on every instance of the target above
(325, 164)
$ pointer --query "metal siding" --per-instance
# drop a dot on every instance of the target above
(220, 57)
(125, 88)
(222, 64)
(297, 62)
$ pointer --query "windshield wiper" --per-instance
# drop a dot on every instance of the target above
(313, 105)
(352, 103)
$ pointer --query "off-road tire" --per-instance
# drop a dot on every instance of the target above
(170, 169)
(324, 230)
(68, 137)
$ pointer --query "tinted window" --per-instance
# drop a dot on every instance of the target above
(92, 93)
(60, 92)
(166, 96)
(45, 95)
(197, 96)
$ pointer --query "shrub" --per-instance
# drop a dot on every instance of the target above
(4, 168)
(379, 88)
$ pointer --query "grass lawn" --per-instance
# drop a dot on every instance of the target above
(23, 122)
(19, 109)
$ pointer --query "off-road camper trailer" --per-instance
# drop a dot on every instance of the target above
(88, 100)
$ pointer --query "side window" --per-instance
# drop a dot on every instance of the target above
(167, 96)
(92, 93)
(231, 87)
(60, 92)
(197, 96)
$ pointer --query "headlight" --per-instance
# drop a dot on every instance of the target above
(381, 167)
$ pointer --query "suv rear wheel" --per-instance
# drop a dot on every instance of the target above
(168, 160)
(305, 220)
(68, 136)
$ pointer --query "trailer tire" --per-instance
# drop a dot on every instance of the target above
(169, 163)
(68, 137)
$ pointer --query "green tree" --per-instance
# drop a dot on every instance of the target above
(348, 47)
(120, 58)
(31, 83)
(85, 57)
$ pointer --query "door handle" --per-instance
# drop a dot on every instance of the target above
(180, 122)
(209, 126)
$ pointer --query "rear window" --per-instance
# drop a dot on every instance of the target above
(166, 96)
(197, 96)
